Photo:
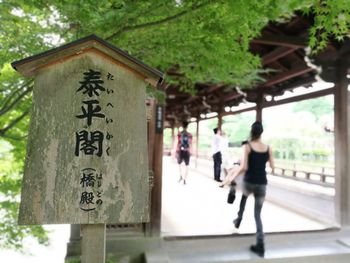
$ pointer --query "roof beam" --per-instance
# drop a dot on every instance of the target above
(214, 88)
(287, 75)
(276, 54)
(230, 97)
(190, 99)
(238, 111)
(284, 41)
(307, 96)
(290, 86)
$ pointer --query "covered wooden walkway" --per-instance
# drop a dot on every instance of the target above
(199, 208)
(175, 208)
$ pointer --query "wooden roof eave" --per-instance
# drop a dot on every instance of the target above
(29, 66)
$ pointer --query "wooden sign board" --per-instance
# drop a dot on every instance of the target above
(86, 157)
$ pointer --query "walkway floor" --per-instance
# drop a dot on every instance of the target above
(199, 208)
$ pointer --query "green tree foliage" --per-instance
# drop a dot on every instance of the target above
(297, 132)
(203, 40)
(318, 107)
(11, 235)
(331, 18)
(237, 127)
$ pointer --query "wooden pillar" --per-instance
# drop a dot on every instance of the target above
(93, 245)
(197, 140)
(172, 137)
(157, 166)
(219, 120)
(259, 108)
(341, 134)
(173, 142)
(258, 112)
(155, 158)
(151, 129)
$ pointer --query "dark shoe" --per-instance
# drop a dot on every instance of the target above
(233, 183)
(231, 197)
(180, 179)
(184, 181)
(237, 222)
(258, 249)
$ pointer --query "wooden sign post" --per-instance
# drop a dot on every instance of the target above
(87, 157)
(93, 245)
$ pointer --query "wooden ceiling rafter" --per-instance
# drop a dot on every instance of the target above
(296, 20)
(283, 41)
(276, 54)
(232, 96)
(279, 67)
(287, 75)
(297, 58)
(278, 91)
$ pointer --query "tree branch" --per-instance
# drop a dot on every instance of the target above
(158, 22)
(9, 97)
(17, 90)
(7, 107)
(13, 123)
(15, 138)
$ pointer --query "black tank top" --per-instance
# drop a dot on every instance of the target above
(256, 173)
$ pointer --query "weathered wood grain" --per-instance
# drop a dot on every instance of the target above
(52, 187)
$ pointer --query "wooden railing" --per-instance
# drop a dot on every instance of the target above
(312, 177)
(324, 178)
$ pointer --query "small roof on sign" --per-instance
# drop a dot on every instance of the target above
(30, 65)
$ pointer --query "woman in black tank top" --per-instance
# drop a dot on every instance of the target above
(253, 164)
(256, 173)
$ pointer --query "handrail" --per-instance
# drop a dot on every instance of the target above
(305, 176)
(311, 177)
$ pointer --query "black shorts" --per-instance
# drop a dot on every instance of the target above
(183, 156)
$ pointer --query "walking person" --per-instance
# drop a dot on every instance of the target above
(217, 157)
(231, 170)
(183, 151)
(226, 158)
(256, 155)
